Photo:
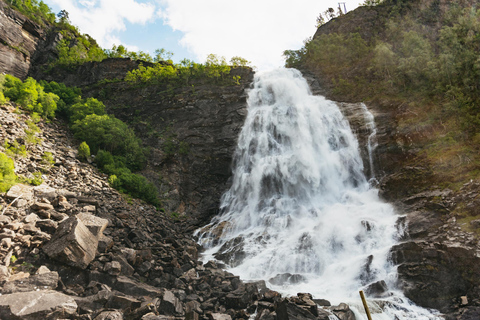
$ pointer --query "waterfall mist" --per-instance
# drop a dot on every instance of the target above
(300, 213)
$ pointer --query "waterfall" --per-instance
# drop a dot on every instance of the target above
(372, 142)
(300, 214)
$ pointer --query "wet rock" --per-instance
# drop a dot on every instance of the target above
(286, 278)
(72, 244)
(37, 305)
(377, 289)
(287, 310)
(343, 312)
(435, 274)
(322, 302)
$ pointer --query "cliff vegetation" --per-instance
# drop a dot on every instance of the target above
(421, 59)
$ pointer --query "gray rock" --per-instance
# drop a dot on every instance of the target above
(44, 281)
(95, 224)
(132, 288)
(41, 206)
(219, 316)
(127, 269)
(170, 304)
(37, 305)
(104, 243)
(343, 312)
(4, 273)
(44, 191)
(123, 303)
(110, 315)
(72, 244)
(20, 190)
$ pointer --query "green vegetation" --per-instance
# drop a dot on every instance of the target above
(119, 151)
(35, 10)
(31, 96)
(425, 62)
(214, 70)
(14, 149)
(7, 173)
(83, 151)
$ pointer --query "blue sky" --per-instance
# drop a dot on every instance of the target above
(257, 30)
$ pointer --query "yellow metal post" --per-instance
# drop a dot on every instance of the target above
(365, 305)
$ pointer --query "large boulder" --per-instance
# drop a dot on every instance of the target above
(34, 305)
(72, 244)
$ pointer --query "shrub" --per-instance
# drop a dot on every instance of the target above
(7, 173)
(83, 151)
(111, 134)
(81, 109)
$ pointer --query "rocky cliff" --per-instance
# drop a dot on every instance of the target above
(19, 40)
(191, 130)
(437, 261)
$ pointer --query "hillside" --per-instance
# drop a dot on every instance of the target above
(414, 65)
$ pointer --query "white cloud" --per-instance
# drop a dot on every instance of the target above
(258, 30)
(101, 18)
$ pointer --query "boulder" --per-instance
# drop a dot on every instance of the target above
(44, 191)
(72, 244)
(170, 304)
(343, 312)
(287, 310)
(43, 281)
(95, 224)
(132, 288)
(21, 191)
(377, 289)
(34, 305)
(110, 315)
(286, 278)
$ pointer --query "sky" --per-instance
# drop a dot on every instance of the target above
(256, 30)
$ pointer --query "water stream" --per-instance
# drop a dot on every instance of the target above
(300, 213)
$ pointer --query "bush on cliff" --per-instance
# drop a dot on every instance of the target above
(121, 178)
(111, 134)
(35, 10)
(7, 173)
(31, 96)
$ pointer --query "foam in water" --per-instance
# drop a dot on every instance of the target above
(300, 211)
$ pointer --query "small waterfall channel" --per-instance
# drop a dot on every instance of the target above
(300, 213)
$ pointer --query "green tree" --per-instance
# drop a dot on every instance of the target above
(83, 151)
(81, 109)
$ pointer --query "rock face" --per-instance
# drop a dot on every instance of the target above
(191, 129)
(19, 39)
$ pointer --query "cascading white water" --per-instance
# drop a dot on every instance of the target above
(372, 142)
(300, 213)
